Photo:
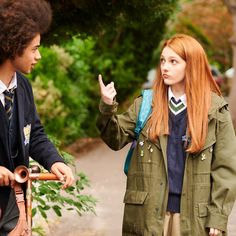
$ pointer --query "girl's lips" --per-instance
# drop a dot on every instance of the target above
(165, 76)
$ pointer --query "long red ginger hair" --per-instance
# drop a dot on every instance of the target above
(199, 84)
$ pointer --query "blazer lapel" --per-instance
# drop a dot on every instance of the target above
(20, 106)
(3, 126)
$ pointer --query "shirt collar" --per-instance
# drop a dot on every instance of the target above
(12, 85)
(182, 98)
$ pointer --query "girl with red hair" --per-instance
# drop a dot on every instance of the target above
(181, 178)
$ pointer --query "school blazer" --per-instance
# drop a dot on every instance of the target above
(32, 142)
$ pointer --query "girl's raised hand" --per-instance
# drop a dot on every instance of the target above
(108, 92)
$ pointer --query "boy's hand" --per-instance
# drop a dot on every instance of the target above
(108, 92)
(6, 177)
(63, 173)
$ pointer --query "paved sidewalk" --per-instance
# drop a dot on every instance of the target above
(104, 168)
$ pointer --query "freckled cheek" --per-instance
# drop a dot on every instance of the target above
(180, 72)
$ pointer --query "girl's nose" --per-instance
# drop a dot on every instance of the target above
(165, 66)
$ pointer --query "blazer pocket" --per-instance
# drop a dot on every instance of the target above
(135, 197)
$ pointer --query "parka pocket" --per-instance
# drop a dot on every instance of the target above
(202, 209)
(135, 197)
(135, 212)
(201, 217)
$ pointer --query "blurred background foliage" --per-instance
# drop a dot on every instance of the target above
(120, 40)
(211, 23)
(63, 86)
(114, 38)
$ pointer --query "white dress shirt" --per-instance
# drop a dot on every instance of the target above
(3, 87)
(182, 98)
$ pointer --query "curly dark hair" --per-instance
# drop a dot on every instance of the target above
(20, 22)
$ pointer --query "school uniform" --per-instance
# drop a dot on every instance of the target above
(22, 137)
(176, 156)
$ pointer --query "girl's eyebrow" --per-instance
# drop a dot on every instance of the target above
(171, 57)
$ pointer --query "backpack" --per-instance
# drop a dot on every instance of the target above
(144, 112)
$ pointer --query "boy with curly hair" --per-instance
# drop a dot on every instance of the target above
(22, 135)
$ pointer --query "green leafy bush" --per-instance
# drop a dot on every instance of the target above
(61, 85)
(48, 195)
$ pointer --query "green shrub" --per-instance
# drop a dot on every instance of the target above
(61, 84)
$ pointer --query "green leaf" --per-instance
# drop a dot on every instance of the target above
(34, 211)
(42, 212)
(39, 199)
(57, 210)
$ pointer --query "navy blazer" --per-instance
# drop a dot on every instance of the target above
(32, 142)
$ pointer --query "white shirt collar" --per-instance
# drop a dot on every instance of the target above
(182, 98)
(13, 84)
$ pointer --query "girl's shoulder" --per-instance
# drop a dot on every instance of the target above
(217, 102)
(219, 108)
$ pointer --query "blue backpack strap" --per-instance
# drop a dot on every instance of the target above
(144, 112)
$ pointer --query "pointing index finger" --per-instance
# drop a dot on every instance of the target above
(102, 85)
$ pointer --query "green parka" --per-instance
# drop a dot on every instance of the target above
(209, 184)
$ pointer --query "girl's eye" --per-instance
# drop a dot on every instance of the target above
(162, 60)
(173, 62)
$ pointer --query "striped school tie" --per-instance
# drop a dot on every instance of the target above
(176, 107)
(9, 97)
